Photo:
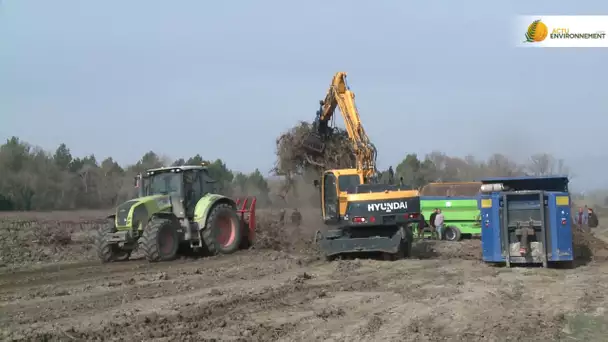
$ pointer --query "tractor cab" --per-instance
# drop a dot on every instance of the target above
(185, 185)
(526, 220)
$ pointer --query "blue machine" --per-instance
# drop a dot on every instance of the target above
(526, 220)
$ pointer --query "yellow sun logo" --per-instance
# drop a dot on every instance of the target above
(537, 32)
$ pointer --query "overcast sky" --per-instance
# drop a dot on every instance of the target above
(230, 76)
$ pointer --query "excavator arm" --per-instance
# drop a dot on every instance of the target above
(340, 96)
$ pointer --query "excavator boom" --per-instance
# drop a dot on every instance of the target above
(340, 96)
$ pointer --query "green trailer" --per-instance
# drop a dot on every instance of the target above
(458, 202)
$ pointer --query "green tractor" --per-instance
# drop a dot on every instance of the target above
(175, 212)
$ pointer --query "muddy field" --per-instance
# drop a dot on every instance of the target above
(53, 289)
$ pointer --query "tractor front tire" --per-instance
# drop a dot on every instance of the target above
(222, 233)
(160, 241)
(107, 251)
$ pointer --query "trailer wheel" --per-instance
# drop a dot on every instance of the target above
(106, 251)
(223, 233)
(160, 241)
(452, 233)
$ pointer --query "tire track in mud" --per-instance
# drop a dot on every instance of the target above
(92, 270)
(289, 304)
(133, 283)
(219, 312)
(274, 296)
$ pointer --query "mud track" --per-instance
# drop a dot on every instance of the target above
(276, 296)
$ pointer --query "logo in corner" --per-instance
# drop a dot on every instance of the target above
(537, 32)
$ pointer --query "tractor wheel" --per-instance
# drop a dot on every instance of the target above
(222, 233)
(106, 251)
(452, 233)
(160, 241)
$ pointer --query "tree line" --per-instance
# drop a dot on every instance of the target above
(439, 167)
(34, 179)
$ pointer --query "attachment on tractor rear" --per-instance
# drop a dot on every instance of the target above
(245, 209)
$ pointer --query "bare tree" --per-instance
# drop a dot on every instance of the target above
(544, 164)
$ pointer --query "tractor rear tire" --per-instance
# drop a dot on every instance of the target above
(451, 234)
(160, 241)
(222, 233)
(106, 251)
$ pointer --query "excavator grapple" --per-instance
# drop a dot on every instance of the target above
(314, 144)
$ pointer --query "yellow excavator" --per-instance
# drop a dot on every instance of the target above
(361, 214)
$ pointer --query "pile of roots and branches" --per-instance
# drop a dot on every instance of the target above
(294, 160)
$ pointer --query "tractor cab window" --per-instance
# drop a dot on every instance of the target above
(330, 197)
(192, 190)
(207, 182)
(168, 183)
(348, 182)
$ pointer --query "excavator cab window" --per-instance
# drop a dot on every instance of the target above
(330, 197)
(348, 183)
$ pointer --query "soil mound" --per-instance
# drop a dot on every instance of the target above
(33, 241)
(588, 247)
(445, 250)
(273, 234)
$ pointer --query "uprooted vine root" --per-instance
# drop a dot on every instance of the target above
(293, 159)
